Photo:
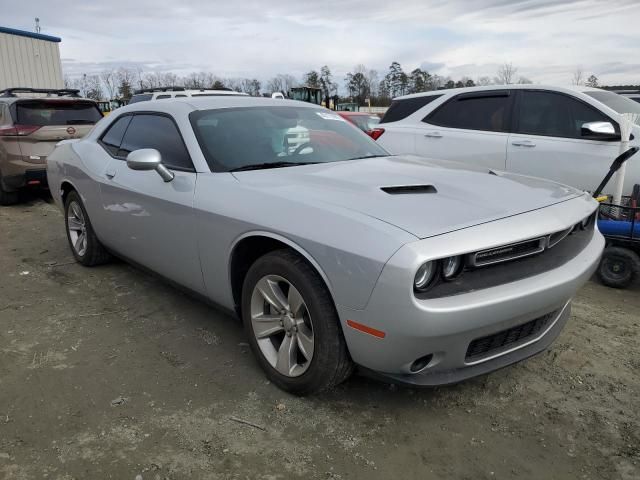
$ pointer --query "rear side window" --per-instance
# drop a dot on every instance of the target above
(112, 139)
(141, 98)
(43, 113)
(486, 111)
(401, 109)
(554, 115)
(159, 132)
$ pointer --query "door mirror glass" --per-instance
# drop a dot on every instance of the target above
(599, 131)
(149, 159)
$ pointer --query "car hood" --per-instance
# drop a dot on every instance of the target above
(451, 195)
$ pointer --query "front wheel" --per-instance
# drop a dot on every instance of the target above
(85, 246)
(618, 267)
(292, 324)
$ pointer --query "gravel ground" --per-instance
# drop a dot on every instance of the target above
(111, 373)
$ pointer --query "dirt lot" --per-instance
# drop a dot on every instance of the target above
(110, 373)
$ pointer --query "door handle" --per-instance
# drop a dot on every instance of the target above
(110, 174)
(433, 135)
(523, 143)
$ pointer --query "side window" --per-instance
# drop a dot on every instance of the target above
(159, 132)
(554, 115)
(112, 138)
(180, 95)
(401, 109)
(161, 97)
(485, 111)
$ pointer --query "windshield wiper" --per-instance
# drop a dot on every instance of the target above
(368, 156)
(263, 166)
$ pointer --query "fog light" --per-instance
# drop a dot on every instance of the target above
(420, 363)
(425, 276)
(451, 267)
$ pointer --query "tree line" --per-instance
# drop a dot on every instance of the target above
(361, 84)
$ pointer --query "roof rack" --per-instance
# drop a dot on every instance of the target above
(159, 89)
(60, 92)
(177, 89)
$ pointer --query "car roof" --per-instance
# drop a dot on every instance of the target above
(455, 91)
(209, 103)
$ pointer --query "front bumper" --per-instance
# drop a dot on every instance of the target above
(445, 327)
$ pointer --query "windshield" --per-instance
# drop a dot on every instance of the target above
(57, 112)
(616, 102)
(238, 138)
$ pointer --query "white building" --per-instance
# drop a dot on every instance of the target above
(29, 59)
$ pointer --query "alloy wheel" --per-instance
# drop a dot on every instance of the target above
(282, 325)
(77, 228)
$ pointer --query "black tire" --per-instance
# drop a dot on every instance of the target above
(331, 363)
(7, 198)
(95, 253)
(618, 267)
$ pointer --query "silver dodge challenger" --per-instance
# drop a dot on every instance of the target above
(334, 253)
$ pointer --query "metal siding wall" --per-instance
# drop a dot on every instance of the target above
(29, 62)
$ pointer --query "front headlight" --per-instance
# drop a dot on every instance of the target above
(451, 267)
(425, 276)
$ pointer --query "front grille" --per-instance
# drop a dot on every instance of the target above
(508, 252)
(485, 346)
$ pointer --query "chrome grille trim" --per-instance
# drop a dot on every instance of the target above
(538, 246)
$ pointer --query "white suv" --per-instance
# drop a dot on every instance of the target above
(567, 134)
(175, 92)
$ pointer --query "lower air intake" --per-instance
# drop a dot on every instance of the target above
(491, 344)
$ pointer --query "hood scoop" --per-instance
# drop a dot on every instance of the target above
(409, 189)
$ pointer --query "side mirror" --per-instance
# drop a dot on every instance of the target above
(599, 131)
(149, 159)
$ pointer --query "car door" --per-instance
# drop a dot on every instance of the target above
(470, 127)
(547, 140)
(149, 221)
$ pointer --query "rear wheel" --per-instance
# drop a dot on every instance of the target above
(85, 246)
(6, 197)
(292, 324)
(618, 267)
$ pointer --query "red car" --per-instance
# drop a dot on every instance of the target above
(366, 122)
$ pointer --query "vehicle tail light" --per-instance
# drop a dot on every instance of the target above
(376, 133)
(18, 130)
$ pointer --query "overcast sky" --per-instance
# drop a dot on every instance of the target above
(545, 39)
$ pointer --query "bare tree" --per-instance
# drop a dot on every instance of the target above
(108, 78)
(372, 80)
(483, 81)
(92, 87)
(523, 80)
(578, 76)
(276, 85)
(233, 83)
(506, 74)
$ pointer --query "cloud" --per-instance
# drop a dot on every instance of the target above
(545, 39)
